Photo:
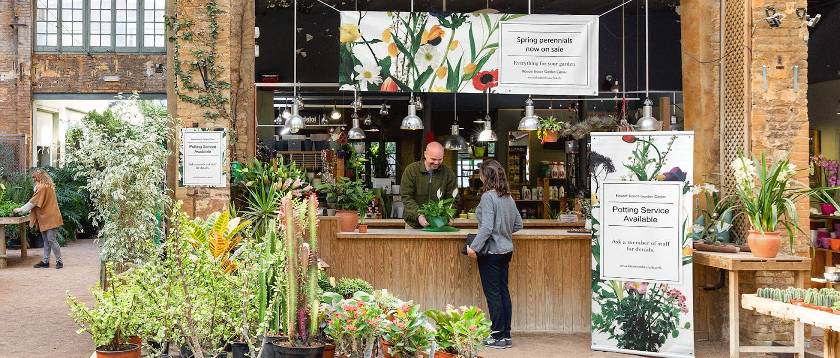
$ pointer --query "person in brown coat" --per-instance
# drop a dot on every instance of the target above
(46, 216)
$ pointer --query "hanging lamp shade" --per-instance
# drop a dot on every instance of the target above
(530, 122)
(295, 122)
(356, 132)
(648, 122)
(487, 135)
(455, 141)
(335, 114)
(412, 121)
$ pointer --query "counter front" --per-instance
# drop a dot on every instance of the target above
(550, 273)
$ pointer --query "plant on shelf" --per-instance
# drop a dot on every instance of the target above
(461, 331)
(823, 299)
(715, 220)
(549, 129)
(439, 212)
(825, 171)
(407, 332)
(346, 287)
(348, 196)
(766, 193)
(353, 323)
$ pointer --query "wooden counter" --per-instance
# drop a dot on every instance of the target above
(550, 273)
(471, 223)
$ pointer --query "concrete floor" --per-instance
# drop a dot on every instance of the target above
(34, 321)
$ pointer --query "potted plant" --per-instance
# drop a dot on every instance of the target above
(439, 212)
(713, 225)
(460, 332)
(347, 287)
(362, 226)
(349, 196)
(407, 333)
(301, 301)
(826, 172)
(766, 193)
(549, 130)
(353, 324)
(109, 321)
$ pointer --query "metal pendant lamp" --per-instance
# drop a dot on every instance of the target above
(455, 141)
(530, 122)
(356, 132)
(647, 122)
(295, 122)
(412, 121)
(487, 135)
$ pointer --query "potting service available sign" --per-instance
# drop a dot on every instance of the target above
(641, 246)
(203, 157)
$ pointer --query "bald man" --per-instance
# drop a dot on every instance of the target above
(421, 181)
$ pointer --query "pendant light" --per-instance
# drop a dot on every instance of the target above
(487, 135)
(356, 132)
(411, 120)
(647, 122)
(335, 114)
(455, 141)
(530, 122)
(295, 122)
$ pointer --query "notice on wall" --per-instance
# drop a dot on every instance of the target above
(203, 157)
(640, 224)
(556, 55)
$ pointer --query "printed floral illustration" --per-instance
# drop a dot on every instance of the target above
(419, 52)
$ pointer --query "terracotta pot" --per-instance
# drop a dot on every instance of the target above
(442, 354)
(550, 136)
(347, 220)
(764, 245)
(384, 347)
(362, 228)
(329, 351)
(826, 209)
(128, 351)
(136, 340)
(835, 244)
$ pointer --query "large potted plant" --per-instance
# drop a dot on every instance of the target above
(349, 197)
(353, 324)
(301, 299)
(460, 332)
(766, 194)
(439, 212)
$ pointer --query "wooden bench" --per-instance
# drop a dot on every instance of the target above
(24, 221)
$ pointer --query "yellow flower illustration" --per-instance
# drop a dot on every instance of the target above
(392, 49)
(453, 45)
(469, 68)
(687, 251)
(348, 33)
(441, 72)
(440, 89)
(386, 35)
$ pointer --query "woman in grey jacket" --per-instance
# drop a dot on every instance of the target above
(492, 246)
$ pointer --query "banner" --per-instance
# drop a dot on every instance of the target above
(202, 157)
(641, 247)
(468, 53)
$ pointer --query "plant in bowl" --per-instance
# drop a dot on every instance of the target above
(353, 324)
(550, 128)
(766, 193)
(407, 332)
(460, 332)
(439, 212)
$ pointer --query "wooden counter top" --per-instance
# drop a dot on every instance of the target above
(471, 223)
(524, 234)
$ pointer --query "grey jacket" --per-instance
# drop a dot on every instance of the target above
(498, 219)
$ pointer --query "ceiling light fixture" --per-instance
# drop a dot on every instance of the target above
(530, 122)
(335, 114)
(295, 122)
(487, 135)
(356, 132)
(411, 120)
(455, 141)
(647, 122)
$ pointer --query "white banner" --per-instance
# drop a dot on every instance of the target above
(641, 250)
(468, 53)
(203, 157)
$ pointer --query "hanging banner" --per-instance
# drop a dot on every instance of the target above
(468, 53)
(202, 157)
(641, 247)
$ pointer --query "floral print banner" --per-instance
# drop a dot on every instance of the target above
(468, 53)
(641, 247)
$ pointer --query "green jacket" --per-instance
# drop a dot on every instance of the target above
(418, 187)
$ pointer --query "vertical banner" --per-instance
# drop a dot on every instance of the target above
(202, 157)
(641, 247)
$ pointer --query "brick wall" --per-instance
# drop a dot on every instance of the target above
(15, 60)
(82, 73)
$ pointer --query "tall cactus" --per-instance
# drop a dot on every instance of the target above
(312, 280)
(302, 301)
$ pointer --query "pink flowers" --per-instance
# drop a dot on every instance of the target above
(679, 297)
(829, 170)
(636, 287)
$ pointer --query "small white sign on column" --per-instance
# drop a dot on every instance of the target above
(203, 157)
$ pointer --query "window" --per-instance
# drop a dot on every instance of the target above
(467, 164)
(100, 25)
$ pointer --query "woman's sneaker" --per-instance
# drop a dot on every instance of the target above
(508, 343)
(41, 264)
(59, 265)
(495, 343)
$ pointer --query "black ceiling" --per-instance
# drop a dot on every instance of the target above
(823, 45)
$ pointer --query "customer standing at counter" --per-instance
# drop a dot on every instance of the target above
(498, 219)
(421, 181)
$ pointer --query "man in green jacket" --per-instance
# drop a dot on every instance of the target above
(421, 181)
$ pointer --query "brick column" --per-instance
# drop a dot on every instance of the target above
(15, 61)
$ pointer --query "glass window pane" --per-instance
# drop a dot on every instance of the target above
(40, 15)
(77, 40)
(41, 4)
(106, 15)
(159, 28)
(131, 28)
(159, 41)
(121, 15)
(120, 28)
(52, 40)
(52, 27)
(66, 40)
(148, 40)
(159, 15)
(41, 27)
(160, 4)
(106, 40)
(40, 40)
(52, 15)
(148, 28)
(120, 40)
(77, 4)
(77, 15)
(131, 15)
(131, 4)
(67, 15)
(131, 41)
(77, 27)
(94, 27)
(94, 15)
(52, 4)
(94, 41)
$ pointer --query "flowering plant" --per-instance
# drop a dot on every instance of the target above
(767, 192)
(715, 219)
(353, 324)
(827, 170)
(460, 331)
(407, 331)
(443, 207)
(645, 166)
(641, 316)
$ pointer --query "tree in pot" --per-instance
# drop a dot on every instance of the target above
(439, 212)
(766, 193)
(349, 197)
(460, 332)
(299, 222)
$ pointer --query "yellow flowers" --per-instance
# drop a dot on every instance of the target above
(386, 35)
(392, 50)
(453, 45)
(686, 251)
(441, 72)
(348, 33)
(469, 68)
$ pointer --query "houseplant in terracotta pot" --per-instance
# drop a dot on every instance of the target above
(348, 196)
(407, 333)
(766, 193)
(353, 324)
(550, 128)
(460, 332)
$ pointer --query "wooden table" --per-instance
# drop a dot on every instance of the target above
(24, 220)
(733, 263)
(829, 322)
